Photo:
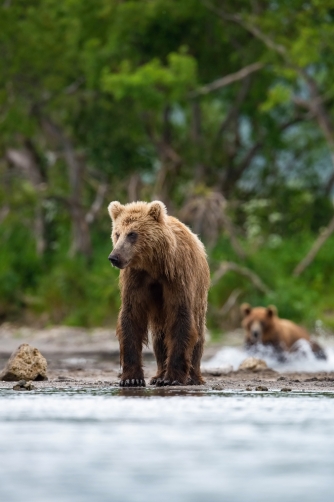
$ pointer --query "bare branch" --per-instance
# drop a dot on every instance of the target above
(227, 80)
(72, 88)
(97, 204)
(230, 230)
(230, 302)
(4, 212)
(232, 114)
(319, 242)
(316, 103)
(228, 266)
(329, 184)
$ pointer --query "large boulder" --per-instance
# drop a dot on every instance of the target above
(26, 363)
(253, 364)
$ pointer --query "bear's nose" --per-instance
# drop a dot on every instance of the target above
(256, 334)
(114, 260)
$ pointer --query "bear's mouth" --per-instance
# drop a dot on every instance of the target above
(119, 264)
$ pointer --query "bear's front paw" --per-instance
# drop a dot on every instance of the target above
(132, 382)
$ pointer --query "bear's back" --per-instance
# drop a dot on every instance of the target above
(185, 238)
(289, 332)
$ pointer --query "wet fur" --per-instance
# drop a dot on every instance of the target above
(281, 334)
(163, 289)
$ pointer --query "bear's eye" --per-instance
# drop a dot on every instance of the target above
(132, 236)
(117, 236)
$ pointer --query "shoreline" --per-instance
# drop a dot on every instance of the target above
(90, 358)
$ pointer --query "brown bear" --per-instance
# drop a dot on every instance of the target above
(164, 282)
(263, 326)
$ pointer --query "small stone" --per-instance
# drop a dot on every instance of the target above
(223, 370)
(286, 389)
(26, 363)
(253, 364)
(248, 389)
(29, 386)
(218, 386)
(281, 378)
(261, 388)
(23, 385)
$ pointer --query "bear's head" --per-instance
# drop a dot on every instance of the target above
(137, 230)
(257, 322)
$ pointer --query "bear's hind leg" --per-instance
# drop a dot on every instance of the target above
(195, 370)
(160, 353)
(180, 340)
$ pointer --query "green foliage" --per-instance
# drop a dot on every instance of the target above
(152, 83)
(279, 94)
(304, 299)
(78, 294)
(126, 99)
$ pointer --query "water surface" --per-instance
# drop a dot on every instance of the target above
(304, 360)
(129, 446)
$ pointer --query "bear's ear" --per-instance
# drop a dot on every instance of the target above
(115, 209)
(245, 309)
(271, 310)
(157, 210)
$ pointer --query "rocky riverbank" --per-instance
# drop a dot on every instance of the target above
(90, 358)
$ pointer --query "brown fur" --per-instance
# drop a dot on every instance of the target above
(164, 281)
(263, 326)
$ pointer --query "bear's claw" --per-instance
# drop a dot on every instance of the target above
(134, 382)
(160, 382)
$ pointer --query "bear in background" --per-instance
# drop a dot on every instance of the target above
(263, 326)
(164, 282)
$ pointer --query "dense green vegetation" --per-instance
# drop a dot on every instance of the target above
(223, 110)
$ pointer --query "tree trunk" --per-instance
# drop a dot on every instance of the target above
(134, 187)
(81, 241)
(27, 160)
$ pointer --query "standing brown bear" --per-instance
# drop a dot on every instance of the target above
(164, 282)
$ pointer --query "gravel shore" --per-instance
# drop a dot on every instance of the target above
(79, 358)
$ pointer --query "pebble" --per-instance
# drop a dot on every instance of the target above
(286, 389)
(261, 387)
(217, 387)
(22, 385)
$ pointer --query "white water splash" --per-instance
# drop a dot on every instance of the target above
(303, 360)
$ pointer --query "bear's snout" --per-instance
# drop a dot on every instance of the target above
(115, 260)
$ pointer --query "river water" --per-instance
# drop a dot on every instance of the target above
(154, 445)
(303, 360)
